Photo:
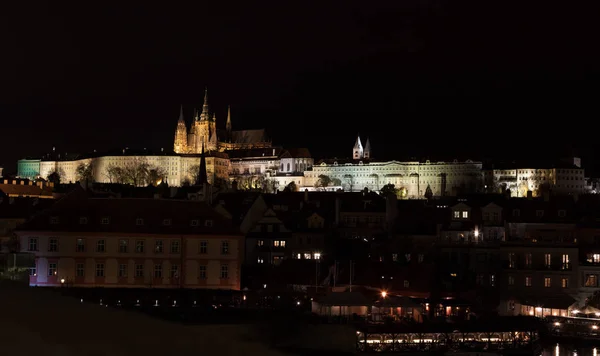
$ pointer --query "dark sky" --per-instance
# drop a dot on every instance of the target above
(421, 78)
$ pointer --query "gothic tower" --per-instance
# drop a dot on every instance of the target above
(357, 152)
(181, 138)
(205, 128)
(367, 152)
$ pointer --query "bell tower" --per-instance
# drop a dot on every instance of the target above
(180, 145)
(357, 151)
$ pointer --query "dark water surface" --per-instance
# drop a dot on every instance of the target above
(568, 350)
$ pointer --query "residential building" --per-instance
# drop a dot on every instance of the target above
(132, 243)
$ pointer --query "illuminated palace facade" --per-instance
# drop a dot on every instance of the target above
(411, 178)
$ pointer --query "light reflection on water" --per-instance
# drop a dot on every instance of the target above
(559, 350)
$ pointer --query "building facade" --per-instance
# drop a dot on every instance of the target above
(566, 179)
(132, 243)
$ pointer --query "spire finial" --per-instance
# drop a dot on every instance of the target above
(205, 115)
(202, 176)
(228, 124)
(181, 113)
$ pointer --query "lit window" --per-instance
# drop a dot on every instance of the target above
(317, 256)
(511, 280)
(547, 260)
(528, 281)
(547, 282)
(307, 256)
(457, 214)
(465, 214)
(406, 284)
(564, 282)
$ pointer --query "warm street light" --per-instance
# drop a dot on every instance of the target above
(384, 294)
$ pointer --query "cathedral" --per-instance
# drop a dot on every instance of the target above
(203, 132)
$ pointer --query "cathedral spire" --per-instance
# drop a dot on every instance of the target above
(228, 124)
(181, 114)
(205, 115)
(202, 176)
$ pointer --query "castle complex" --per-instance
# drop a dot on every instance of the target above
(249, 158)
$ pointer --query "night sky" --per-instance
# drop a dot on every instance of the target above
(428, 79)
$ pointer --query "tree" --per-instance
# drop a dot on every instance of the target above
(336, 182)
(428, 192)
(84, 172)
(155, 175)
(135, 172)
(55, 176)
(193, 172)
(115, 174)
(389, 189)
(323, 181)
(349, 181)
(291, 187)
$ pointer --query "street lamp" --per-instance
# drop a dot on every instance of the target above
(383, 294)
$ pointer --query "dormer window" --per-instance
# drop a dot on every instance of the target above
(539, 213)
(83, 220)
(139, 221)
(562, 213)
(456, 214)
(194, 222)
(105, 221)
(54, 220)
(167, 222)
(208, 223)
(465, 214)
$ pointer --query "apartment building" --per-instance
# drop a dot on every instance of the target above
(132, 243)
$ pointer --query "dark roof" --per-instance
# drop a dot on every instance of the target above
(25, 189)
(124, 213)
(236, 204)
(296, 153)
(245, 136)
(22, 208)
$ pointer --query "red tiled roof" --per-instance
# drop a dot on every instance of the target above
(159, 216)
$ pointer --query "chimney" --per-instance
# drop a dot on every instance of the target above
(529, 194)
(306, 195)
